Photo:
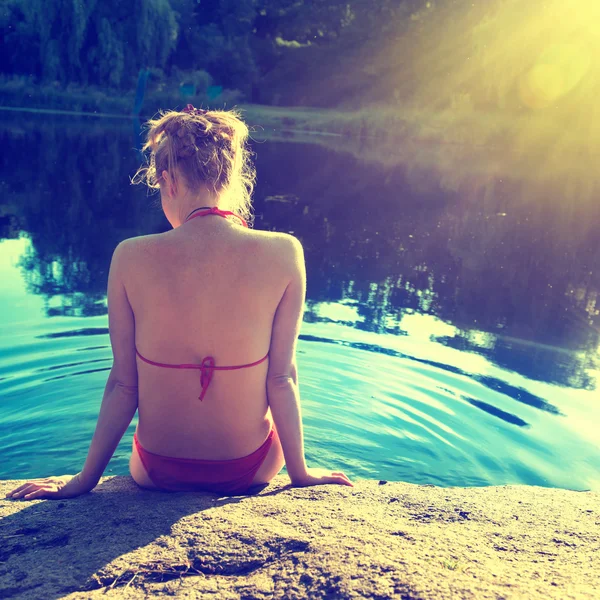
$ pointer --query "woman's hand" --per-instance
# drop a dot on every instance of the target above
(321, 477)
(68, 486)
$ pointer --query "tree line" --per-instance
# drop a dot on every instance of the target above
(435, 54)
(271, 51)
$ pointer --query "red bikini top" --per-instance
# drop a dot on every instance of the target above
(207, 366)
(207, 210)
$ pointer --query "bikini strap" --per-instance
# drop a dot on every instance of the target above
(216, 211)
(206, 368)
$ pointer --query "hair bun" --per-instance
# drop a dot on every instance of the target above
(213, 152)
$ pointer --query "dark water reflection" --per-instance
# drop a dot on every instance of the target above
(378, 238)
(516, 278)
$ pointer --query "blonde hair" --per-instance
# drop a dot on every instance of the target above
(206, 147)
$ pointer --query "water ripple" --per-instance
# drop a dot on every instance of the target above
(372, 410)
(78, 332)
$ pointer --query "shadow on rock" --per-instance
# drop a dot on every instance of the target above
(52, 548)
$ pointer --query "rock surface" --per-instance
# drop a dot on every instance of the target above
(376, 540)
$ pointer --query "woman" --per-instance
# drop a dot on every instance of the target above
(203, 324)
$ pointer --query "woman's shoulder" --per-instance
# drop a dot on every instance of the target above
(278, 241)
(278, 248)
(132, 250)
(140, 242)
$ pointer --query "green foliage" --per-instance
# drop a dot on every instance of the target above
(110, 69)
(326, 53)
(104, 42)
(273, 51)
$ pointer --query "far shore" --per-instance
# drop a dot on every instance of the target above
(367, 122)
(462, 142)
(376, 540)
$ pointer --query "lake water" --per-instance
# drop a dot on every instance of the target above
(452, 321)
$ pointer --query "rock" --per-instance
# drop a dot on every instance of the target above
(398, 540)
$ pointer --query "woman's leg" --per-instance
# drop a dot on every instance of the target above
(138, 472)
(272, 464)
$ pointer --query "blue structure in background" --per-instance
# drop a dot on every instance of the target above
(214, 91)
(187, 90)
(138, 137)
(141, 90)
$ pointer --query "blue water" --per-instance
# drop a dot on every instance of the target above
(440, 345)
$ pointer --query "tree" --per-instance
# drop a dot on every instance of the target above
(104, 43)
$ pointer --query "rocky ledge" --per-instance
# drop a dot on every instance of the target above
(376, 540)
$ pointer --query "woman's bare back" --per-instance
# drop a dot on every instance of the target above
(208, 288)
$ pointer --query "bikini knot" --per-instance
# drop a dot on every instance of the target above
(206, 373)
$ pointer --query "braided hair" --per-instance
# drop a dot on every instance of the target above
(206, 147)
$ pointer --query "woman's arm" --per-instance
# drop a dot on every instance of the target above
(282, 379)
(119, 402)
(120, 396)
(118, 408)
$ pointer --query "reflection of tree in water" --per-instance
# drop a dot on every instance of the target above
(381, 237)
(52, 277)
(482, 257)
(68, 187)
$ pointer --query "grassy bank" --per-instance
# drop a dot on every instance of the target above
(384, 125)
(23, 94)
(381, 123)
(459, 144)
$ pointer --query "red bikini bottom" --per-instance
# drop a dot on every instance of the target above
(189, 474)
